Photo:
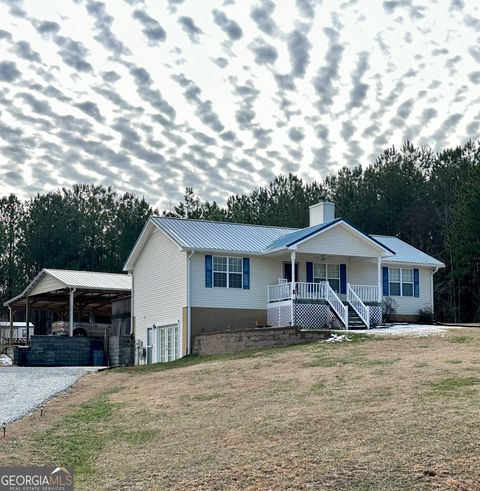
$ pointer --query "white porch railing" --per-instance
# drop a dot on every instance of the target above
(366, 293)
(337, 305)
(360, 308)
(282, 291)
(310, 291)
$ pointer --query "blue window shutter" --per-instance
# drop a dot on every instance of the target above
(208, 271)
(386, 292)
(309, 272)
(343, 278)
(416, 283)
(246, 273)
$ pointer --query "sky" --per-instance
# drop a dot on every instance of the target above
(153, 96)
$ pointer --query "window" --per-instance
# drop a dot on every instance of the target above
(401, 282)
(227, 272)
(327, 272)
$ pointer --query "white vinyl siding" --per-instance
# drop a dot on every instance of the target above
(160, 285)
(340, 240)
(263, 272)
(409, 305)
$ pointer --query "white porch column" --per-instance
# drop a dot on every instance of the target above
(27, 318)
(379, 270)
(293, 257)
(70, 311)
(11, 325)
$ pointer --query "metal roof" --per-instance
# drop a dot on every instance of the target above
(220, 236)
(259, 239)
(405, 253)
(81, 280)
(91, 280)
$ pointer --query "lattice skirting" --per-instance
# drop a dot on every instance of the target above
(306, 315)
(375, 315)
(279, 314)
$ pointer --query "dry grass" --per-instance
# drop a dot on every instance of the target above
(393, 413)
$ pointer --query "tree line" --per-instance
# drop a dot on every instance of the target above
(430, 200)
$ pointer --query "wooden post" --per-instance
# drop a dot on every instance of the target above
(70, 310)
(11, 311)
(27, 318)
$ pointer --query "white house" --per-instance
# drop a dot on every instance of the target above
(194, 276)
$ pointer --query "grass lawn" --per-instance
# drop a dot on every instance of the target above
(375, 414)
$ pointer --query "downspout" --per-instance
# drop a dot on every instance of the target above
(189, 302)
(433, 302)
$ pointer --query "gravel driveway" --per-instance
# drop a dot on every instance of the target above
(22, 389)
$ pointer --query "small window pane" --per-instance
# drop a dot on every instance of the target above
(319, 271)
(395, 275)
(407, 289)
(395, 289)
(220, 280)
(334, 284)
(219, 263)
(235, 265)
(333, 271)
(407, 275)
(235, 280)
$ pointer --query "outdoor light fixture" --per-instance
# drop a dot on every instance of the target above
(4, 426)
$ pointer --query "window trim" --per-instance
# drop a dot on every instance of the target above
(401, 282)
(228, 272)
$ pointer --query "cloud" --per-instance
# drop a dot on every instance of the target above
(329, 73)
(306, 8)
(111, 76)
(8, 71)
(221, 62)
(5, 35)
(296, 134)
(474, 77)
(264, 53)
(189, 26)
(91, 109)
(261, 15)
(228, 26)
(152, 30)
(23, 50)
(103, 23)
(298, 47)
(73, 53)
(47, 27)
(359, 89)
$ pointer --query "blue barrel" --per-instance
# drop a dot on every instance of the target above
(97, 358)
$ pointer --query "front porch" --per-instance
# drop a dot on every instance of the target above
(317, 305)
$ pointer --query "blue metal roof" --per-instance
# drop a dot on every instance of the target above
(299, 234)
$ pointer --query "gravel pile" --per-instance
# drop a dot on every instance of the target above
(22, 389)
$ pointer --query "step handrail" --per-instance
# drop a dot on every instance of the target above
(336, 304)
(358, 306)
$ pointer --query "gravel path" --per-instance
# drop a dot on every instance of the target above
(22, 389)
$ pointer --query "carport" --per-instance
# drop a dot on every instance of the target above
(64, 291)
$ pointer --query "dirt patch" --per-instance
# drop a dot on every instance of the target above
(385, 413)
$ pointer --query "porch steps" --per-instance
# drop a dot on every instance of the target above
(354, 321)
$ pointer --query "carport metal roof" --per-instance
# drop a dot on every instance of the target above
(50, 289)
